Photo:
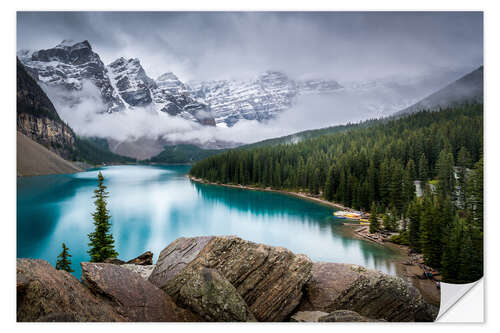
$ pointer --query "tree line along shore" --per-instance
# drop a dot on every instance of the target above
(374, 169)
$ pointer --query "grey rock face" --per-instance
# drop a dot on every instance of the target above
(38, 119)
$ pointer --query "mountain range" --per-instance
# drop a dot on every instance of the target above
(124, 85)
(467, 89)
(45, 142)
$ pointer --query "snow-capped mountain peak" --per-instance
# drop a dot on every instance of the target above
(261, 98)
(124, 84)
(67, 66)
(130, 80)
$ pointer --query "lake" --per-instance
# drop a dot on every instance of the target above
(153, 205)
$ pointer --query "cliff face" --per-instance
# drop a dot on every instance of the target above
(52, 134)
(38, 119)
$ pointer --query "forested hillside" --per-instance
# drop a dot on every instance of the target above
(374, 168)
(182, 153)
(96, 151)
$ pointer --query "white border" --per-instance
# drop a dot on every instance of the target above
(7, 132)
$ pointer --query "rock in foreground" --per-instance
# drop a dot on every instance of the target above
(344, 316)
(175, 257)
(46, 294)
(368, 292)
(308, 316)
(327, 282)
(217, 279)
(385, 297)
(143, 271)
(269, 279)
(212, 296)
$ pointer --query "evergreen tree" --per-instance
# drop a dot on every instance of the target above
(464, 159)
(101, 240)
(445, 174)
(414, 216)
(374, 223)
(374, 163)
(64, 263)
(411, 169)
(390, 221)
(423, 168)
(450, 261)
(329, 185)
(475, 197)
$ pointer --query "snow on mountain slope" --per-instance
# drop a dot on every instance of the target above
(261, 98)
(67, 65)
(123, 84)
(131, 81)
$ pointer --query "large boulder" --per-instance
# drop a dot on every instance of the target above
(371, 293)
(385, 297)
(210, 295)
(175, 257)
(46, 294)
(131, 295)
(269, 279)
(327, 282)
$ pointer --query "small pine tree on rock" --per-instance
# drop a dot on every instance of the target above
(64, 263)
(101, 240)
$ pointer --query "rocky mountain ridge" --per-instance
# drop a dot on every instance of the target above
(124, 85)
(262, 98)
(216, 278)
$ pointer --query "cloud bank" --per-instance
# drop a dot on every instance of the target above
(218, 45)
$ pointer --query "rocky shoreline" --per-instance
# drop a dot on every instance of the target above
(216, 278)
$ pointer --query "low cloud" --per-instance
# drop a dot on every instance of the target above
(83, 111)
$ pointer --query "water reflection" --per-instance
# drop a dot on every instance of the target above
(152, 206)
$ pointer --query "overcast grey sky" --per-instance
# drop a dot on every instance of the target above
(214, 45)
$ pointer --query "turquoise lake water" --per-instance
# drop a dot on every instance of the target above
(153, 205)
